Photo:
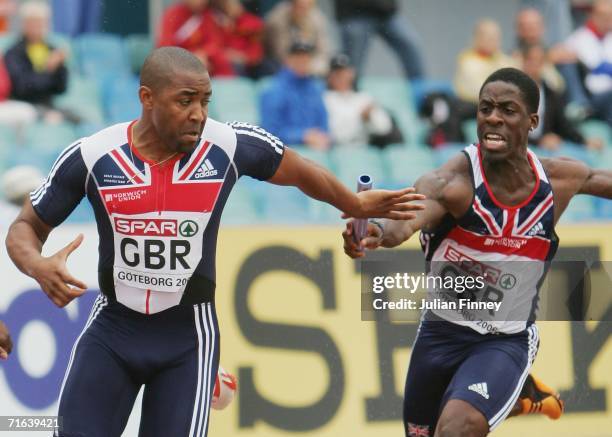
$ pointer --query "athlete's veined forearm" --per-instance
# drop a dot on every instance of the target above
(599, 183)
(24, 242)
(396, 232)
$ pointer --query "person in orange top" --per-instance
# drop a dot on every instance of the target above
(243, 36)
(190, 24)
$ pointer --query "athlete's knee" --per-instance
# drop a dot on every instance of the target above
(461, 427)
(460, 419)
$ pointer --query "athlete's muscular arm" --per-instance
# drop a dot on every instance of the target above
(570, 177)
(598, 182)
(319, 183)
(24, 243)
(447, 190)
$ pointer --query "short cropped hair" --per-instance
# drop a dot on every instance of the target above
(527, 86)
(163, 62)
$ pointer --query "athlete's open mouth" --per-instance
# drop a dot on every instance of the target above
(193, 134)
(494, 141)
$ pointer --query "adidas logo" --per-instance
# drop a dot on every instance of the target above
(538, 229)
(206, 170)
(481, 389)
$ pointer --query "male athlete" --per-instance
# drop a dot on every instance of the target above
(6, 345)
(496, 203)
(157, 187)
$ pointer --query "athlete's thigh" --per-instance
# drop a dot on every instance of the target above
(98, 394)
(492, 377)
(432, 365)
(176, 401)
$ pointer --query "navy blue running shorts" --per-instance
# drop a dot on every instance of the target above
(174, 354)
(449, 361)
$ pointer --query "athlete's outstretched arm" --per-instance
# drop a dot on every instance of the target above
(319, 183)
(598, 182)
(24, 243)
(446, 192)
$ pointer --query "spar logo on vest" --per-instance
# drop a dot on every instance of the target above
(157, 252)
(188, 228)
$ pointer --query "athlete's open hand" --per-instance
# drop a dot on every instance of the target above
(396, 205)
(6, 345)
(371, 241)
(53, 276)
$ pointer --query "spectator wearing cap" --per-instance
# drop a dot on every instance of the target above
(36, 68)
(297, 20)
(292, 106)
(353, 116)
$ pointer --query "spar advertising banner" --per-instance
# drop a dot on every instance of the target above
(291, 323)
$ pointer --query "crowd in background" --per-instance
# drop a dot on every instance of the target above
(292, 43)
(312, 95)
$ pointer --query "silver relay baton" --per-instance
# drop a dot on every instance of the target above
(360, 226)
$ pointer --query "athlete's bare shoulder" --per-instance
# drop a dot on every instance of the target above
(450, 185)
(569, 177)
(566, 175)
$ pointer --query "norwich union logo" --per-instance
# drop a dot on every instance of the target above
(188, 228)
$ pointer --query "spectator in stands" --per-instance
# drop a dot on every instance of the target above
(530, 30)
(7, 9)
(554, 128)
(13, 113)
(190, 24)
(558, 18)
(292, 107)
(242, 37)
(561, 72)
(297, 20)
(353, 116)
(260, 7)
(477, 63)
(361, 19)
(592, 44)
(36, 68)
(581, 9)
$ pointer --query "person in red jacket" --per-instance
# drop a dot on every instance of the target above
(242, 35)
(190, 24)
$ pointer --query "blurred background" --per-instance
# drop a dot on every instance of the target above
(384, 87)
